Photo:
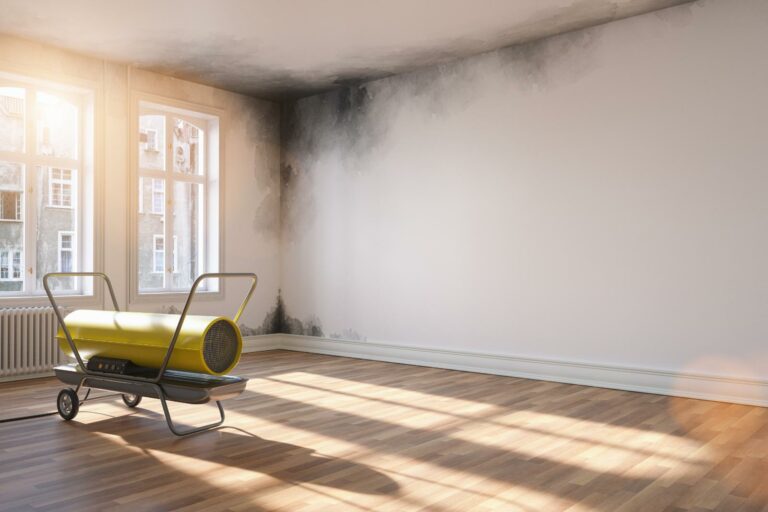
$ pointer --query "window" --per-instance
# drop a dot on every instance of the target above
(16, 275)
(175, 267)
(10, 265)
(158, 196)
(177, 181)
(158, 257)
(158, 254)
(10, 205)
(60, 188)
(46, 184)
(5, 266)
(148, 138)
(66, 251)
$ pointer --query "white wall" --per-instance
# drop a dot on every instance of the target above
(598, 196)
(250, 168)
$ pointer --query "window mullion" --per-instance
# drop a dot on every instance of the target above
(30, 195)
(169, 189)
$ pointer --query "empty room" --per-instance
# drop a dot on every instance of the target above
(344, 255)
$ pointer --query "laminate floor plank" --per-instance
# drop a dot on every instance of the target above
(315, 432)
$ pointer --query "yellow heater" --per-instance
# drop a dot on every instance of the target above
(206, 344)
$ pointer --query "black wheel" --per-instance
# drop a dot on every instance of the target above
(131, 400)
(68, 403)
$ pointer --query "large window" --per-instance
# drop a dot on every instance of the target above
(45, 183)
(177, 171)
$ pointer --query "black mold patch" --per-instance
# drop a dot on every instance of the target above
(278, 321)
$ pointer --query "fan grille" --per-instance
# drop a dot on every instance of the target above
(220, 346)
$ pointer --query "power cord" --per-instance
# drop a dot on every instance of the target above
(53, 413)
(30, 417)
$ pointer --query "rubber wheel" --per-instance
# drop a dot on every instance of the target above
(131, 400)
(67, 403)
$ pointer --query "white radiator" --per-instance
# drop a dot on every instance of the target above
(28, 347)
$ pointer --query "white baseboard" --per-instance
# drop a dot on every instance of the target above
(661, 382)
(27, 376)
(263, 342)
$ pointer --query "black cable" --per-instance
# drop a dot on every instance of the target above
(44, 414)
(33, 416)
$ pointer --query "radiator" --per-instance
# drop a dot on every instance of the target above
(28, 346)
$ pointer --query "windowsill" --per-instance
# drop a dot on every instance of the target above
(57, 207)
(11, 220)
(12, 301)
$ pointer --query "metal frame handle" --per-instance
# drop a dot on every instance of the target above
(254, 280)
(56, 309)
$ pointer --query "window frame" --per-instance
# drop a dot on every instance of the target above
(84, 95)
(71, 249)
(62, 182)
(213, 240)
(18, 207)
(155, 252)
(9, 257)
(155, 193)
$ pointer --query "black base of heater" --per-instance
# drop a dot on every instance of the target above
(178, 386)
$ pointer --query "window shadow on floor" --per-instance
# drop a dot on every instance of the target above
(505, 465)
(605, 406)
(233, 447)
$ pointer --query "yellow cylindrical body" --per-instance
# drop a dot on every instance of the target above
(143, 339)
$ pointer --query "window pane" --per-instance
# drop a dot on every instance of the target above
(152, 142)
(151, 231)
(11, 226)
(187, 232)
(56, 126)
(66, 261)
(187, 147)
(53, 222)
(12, 106)
(61, 184)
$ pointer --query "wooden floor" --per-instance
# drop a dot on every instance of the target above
(317, 432)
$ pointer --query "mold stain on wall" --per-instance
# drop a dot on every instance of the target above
(339, 135)
(278, 321)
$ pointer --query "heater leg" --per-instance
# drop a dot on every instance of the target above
(187, 432)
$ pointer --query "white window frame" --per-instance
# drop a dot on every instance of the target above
(157, 194)
(155, 252)
(17, 272)
(9, 257)
(19, 203)
(71, 249)
(210, 120)
(5, 265)
(175, 267)
(151, 143)
(82, 95)
(65, 184)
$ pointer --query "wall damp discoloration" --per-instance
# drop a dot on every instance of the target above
(353, 121)
(348, 335)
(278, 321)
(251, 47)
(552, 199)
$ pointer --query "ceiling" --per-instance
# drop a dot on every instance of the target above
(288, 48)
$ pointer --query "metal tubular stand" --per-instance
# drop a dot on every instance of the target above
(155, 384)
